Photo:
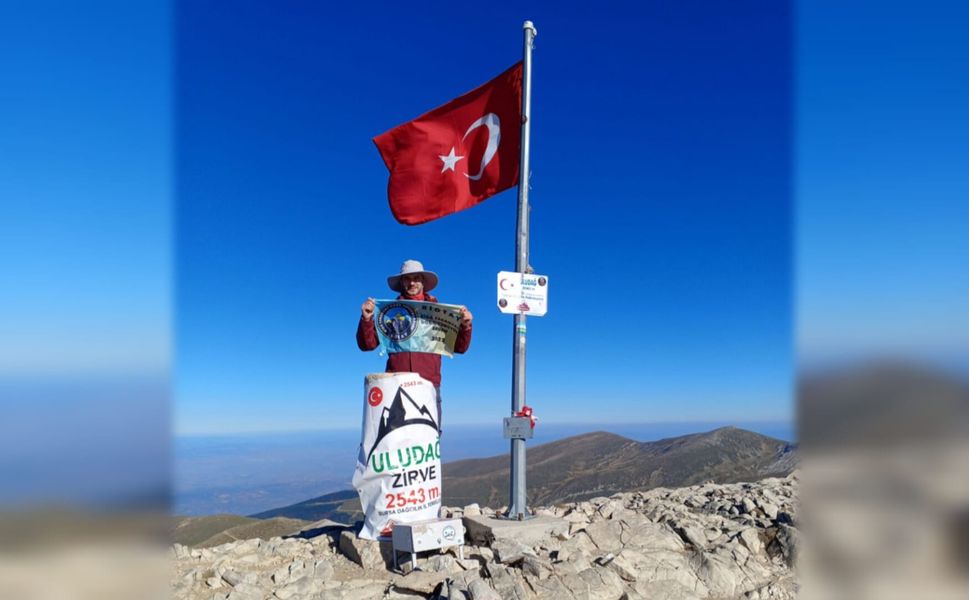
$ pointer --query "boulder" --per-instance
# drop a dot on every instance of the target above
(366, 553)
(711, 541)
(421, 582)
(246, 591)
(480, 590)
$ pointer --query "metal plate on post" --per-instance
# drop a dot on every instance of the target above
(518, 428)
(522, 293)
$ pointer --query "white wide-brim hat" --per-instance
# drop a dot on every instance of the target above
(413, 267)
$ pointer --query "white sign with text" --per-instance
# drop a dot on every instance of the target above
(522, 293)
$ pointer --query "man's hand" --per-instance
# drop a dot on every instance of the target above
(366, 309)
(466, 317)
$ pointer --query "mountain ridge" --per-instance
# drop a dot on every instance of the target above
(598, 463)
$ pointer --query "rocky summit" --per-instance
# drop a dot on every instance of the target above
(716, 541)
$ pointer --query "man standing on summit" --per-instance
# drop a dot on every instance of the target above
(413, 283)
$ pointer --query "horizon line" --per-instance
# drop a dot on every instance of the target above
(497, 425)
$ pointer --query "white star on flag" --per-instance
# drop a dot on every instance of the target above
(449, 160)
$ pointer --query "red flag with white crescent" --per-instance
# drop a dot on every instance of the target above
(456, 155)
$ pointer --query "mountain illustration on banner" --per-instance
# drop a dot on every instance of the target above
(456, 155)
(403, 411)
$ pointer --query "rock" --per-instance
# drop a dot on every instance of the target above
(440, 563)
(536, 567)
(508, 552)
(484, 552)
(290, 572)
(606, 535)
(624, 564)
(480, 590)
(770, 509)
(784, 518)
(751, 540)
(322, 569)
(301, 588)
(693, 535)
(483, 530)
(712, 534)
(192, 576)
(366, 553)
(785, 588)
(551, 588)
(368, 591)
(747, 505)
(456, 590)
(576, 516)
(608, 508)
(703, 542)
(235, 578)
(507, 583)
(667, 590)
(247, 559)
(582, 544)
(246, 547)
(247, 591)
(785, 544)
(602, 583)
(653, 536)
(718, 574)
(467, 564)
(421, 582)
(472, 510)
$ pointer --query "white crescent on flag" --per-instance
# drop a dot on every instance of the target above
(493, 124)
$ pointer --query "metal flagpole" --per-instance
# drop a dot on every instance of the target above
(517, 508)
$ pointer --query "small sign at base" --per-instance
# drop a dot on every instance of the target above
(518, 428)
(433, 534)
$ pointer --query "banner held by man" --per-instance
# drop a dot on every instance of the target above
(408, 326)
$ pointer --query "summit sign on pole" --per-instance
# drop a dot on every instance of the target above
(524, 293)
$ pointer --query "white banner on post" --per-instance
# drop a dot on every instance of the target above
(398, 474)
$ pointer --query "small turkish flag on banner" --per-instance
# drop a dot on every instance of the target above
(456, 155)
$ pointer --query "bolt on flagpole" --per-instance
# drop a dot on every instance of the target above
(517, 508)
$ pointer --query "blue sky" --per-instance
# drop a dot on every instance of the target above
(661, 194)
(882, 184)
(85, 250)
(85, 177)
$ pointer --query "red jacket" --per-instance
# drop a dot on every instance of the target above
(426, 364)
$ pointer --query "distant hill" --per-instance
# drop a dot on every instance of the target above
(882, 403)
(343, 507)
(586, 466)
(602, 464)
(213, 530)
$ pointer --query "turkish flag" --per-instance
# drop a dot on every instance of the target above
(456, 155)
